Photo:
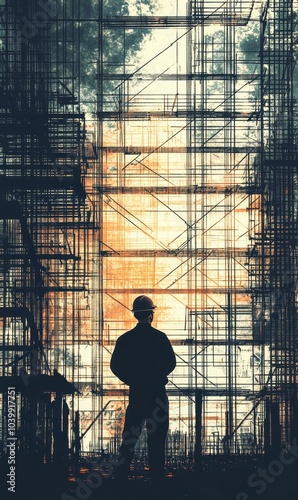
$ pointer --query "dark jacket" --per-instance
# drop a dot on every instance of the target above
(143, 357)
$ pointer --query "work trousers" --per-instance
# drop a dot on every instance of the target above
(152, 409)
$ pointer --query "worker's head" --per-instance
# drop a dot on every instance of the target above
(143, 309)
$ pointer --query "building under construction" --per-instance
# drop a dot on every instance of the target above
(148, 147)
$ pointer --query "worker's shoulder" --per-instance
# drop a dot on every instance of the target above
(130, 335)
(160, 336)
(158, 332)
(126, 336)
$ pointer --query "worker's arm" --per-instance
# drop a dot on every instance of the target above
(118, 363)
(169, 359)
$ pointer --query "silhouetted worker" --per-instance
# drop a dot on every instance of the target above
(142, 359)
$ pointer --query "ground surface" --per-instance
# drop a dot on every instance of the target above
(273, 480)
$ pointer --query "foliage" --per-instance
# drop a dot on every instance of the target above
(250, 46)
(66, 356)
(117, 48)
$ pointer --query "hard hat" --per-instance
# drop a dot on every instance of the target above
(142, 303)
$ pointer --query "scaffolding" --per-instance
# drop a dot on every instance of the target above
(48, 233)
(197, 137)
(175, 177)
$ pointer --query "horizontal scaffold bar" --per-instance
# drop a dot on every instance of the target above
(205, 342)
(184, 113)
(48, 256)
(37, 384)
(137, 150)
(172, 291)
(212, 17)
(15, 348)
(206, 252)
(47, 289)
(182, 76)
(168, 190)
(176, 391)
(56, 182)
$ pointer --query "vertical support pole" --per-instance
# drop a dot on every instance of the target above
(65, 426)
(267, 427)
(275, 428)
(294, 416)
(48, 413)
(100, 101)
(230, 373)
(198, 442)
(77, 443)
(226, 440)
(57, 416)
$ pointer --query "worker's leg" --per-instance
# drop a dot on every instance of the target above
(157, 428)
(134, 420)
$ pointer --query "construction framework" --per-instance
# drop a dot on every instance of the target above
(198, 192)
(49, 222)
(175, 176)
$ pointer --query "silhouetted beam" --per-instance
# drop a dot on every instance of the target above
(200, 342)
(95, 419)
(138, 150)
(208, 290)
(219, 189)
(212, 17)
(58, 117)
(211, 252)
(173, 391)
(23, 348)
(48, 256)
(71, 224)
(184, 113)
(181, 77)
(46, 289)
(38, 384)
(9, 183)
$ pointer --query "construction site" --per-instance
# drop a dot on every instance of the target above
(149, 148)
